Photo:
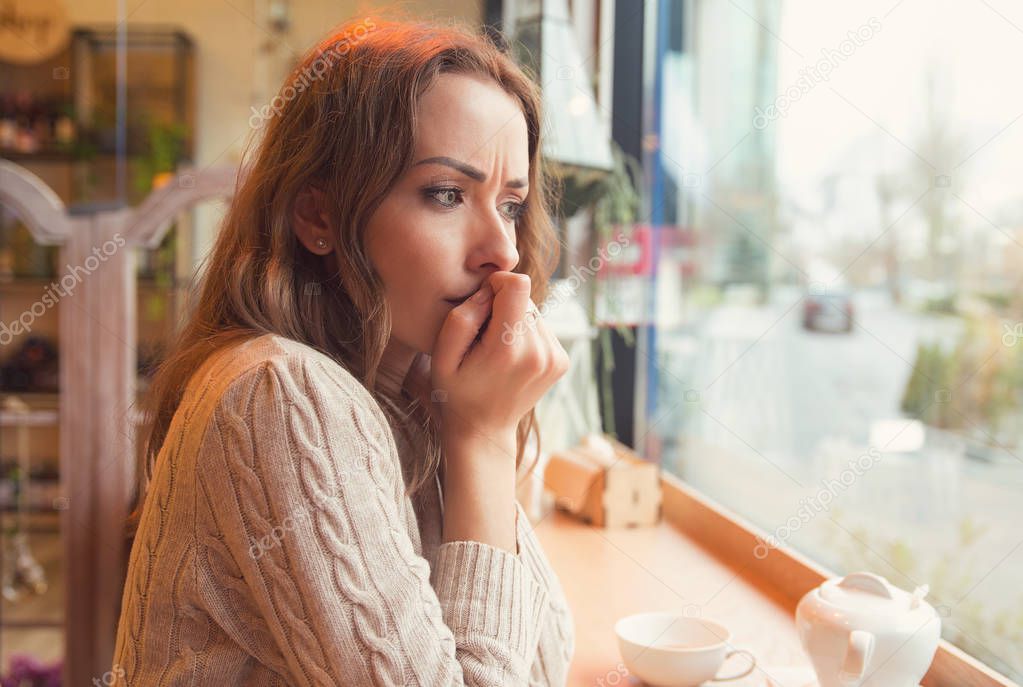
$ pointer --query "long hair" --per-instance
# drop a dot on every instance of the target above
(344, 121)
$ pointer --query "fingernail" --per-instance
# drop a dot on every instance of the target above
(483, 295)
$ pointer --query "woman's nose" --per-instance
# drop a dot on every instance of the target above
(496, 245)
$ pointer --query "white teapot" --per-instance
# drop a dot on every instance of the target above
(861, 631)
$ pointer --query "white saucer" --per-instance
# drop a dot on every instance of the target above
(786, 676)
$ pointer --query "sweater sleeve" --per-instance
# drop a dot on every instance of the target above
(303, 481)
(557, 635)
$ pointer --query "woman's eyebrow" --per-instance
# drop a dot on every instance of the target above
(468, 170)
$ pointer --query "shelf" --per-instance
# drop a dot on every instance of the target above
(58, 155)
(177, 285)
(32, 418)
(86, 184)
(26, 283)
(33, 508)
(37, 284)
(30, 624)
(38, 156)
(33, 396)
(51, 478)
(66, 156)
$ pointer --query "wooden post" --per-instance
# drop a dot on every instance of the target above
(98, 330)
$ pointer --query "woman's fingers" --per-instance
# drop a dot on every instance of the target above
(511, 300)
(460, 329)
(560, 361)
(552, 359)
(516, 356)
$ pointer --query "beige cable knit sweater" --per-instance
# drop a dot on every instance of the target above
(276, 547)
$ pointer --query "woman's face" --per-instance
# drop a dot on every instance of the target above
(449, 222)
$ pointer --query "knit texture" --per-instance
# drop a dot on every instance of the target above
(277, 547)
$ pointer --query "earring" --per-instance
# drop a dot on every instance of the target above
(321, 243)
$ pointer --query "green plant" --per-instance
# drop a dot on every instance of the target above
(942, 305)
(976, 386)
(616, 204)
(165, 143)
(995, 635)
(932, 374)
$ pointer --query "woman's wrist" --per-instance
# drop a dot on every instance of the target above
(463, 437)
(479, 496)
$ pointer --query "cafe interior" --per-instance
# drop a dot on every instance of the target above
(788, 449)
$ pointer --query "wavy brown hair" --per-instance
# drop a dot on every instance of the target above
(344, 121)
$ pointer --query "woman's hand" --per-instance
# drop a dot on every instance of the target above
(484, 387)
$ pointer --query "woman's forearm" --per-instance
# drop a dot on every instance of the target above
(479, 492)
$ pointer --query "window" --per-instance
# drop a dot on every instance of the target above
(837, 231)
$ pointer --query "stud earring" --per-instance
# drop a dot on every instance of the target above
(321, 243)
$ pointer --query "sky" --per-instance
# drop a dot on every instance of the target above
(870, 114)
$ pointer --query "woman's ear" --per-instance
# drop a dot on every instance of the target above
(309, 219)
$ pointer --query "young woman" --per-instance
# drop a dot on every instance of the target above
(335, 438)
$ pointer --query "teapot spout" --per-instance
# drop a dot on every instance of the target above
(857, 658)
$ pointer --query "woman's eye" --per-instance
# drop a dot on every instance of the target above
(451, 197)
(448, 196)
(513, 210)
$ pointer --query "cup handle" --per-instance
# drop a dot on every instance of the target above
(737, 652)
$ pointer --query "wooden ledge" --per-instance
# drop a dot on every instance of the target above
(698, 561)
(792, 574)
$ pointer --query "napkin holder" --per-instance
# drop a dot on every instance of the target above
(602, 482)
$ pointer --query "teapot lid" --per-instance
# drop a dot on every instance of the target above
(871, 593)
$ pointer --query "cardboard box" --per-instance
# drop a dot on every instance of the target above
(603, 482)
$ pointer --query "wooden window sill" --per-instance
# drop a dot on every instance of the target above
(698, 560)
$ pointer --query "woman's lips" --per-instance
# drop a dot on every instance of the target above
(461, 299)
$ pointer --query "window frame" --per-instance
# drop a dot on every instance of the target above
(791, 573)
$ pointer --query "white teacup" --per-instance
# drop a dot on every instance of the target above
(672, 650)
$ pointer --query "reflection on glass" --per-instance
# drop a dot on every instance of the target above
(841, 360)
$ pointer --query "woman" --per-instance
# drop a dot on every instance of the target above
(336, 435)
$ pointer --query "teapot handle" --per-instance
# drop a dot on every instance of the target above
(857, 658)
(868, 582)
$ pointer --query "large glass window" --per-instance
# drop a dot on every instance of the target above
(839, 341)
